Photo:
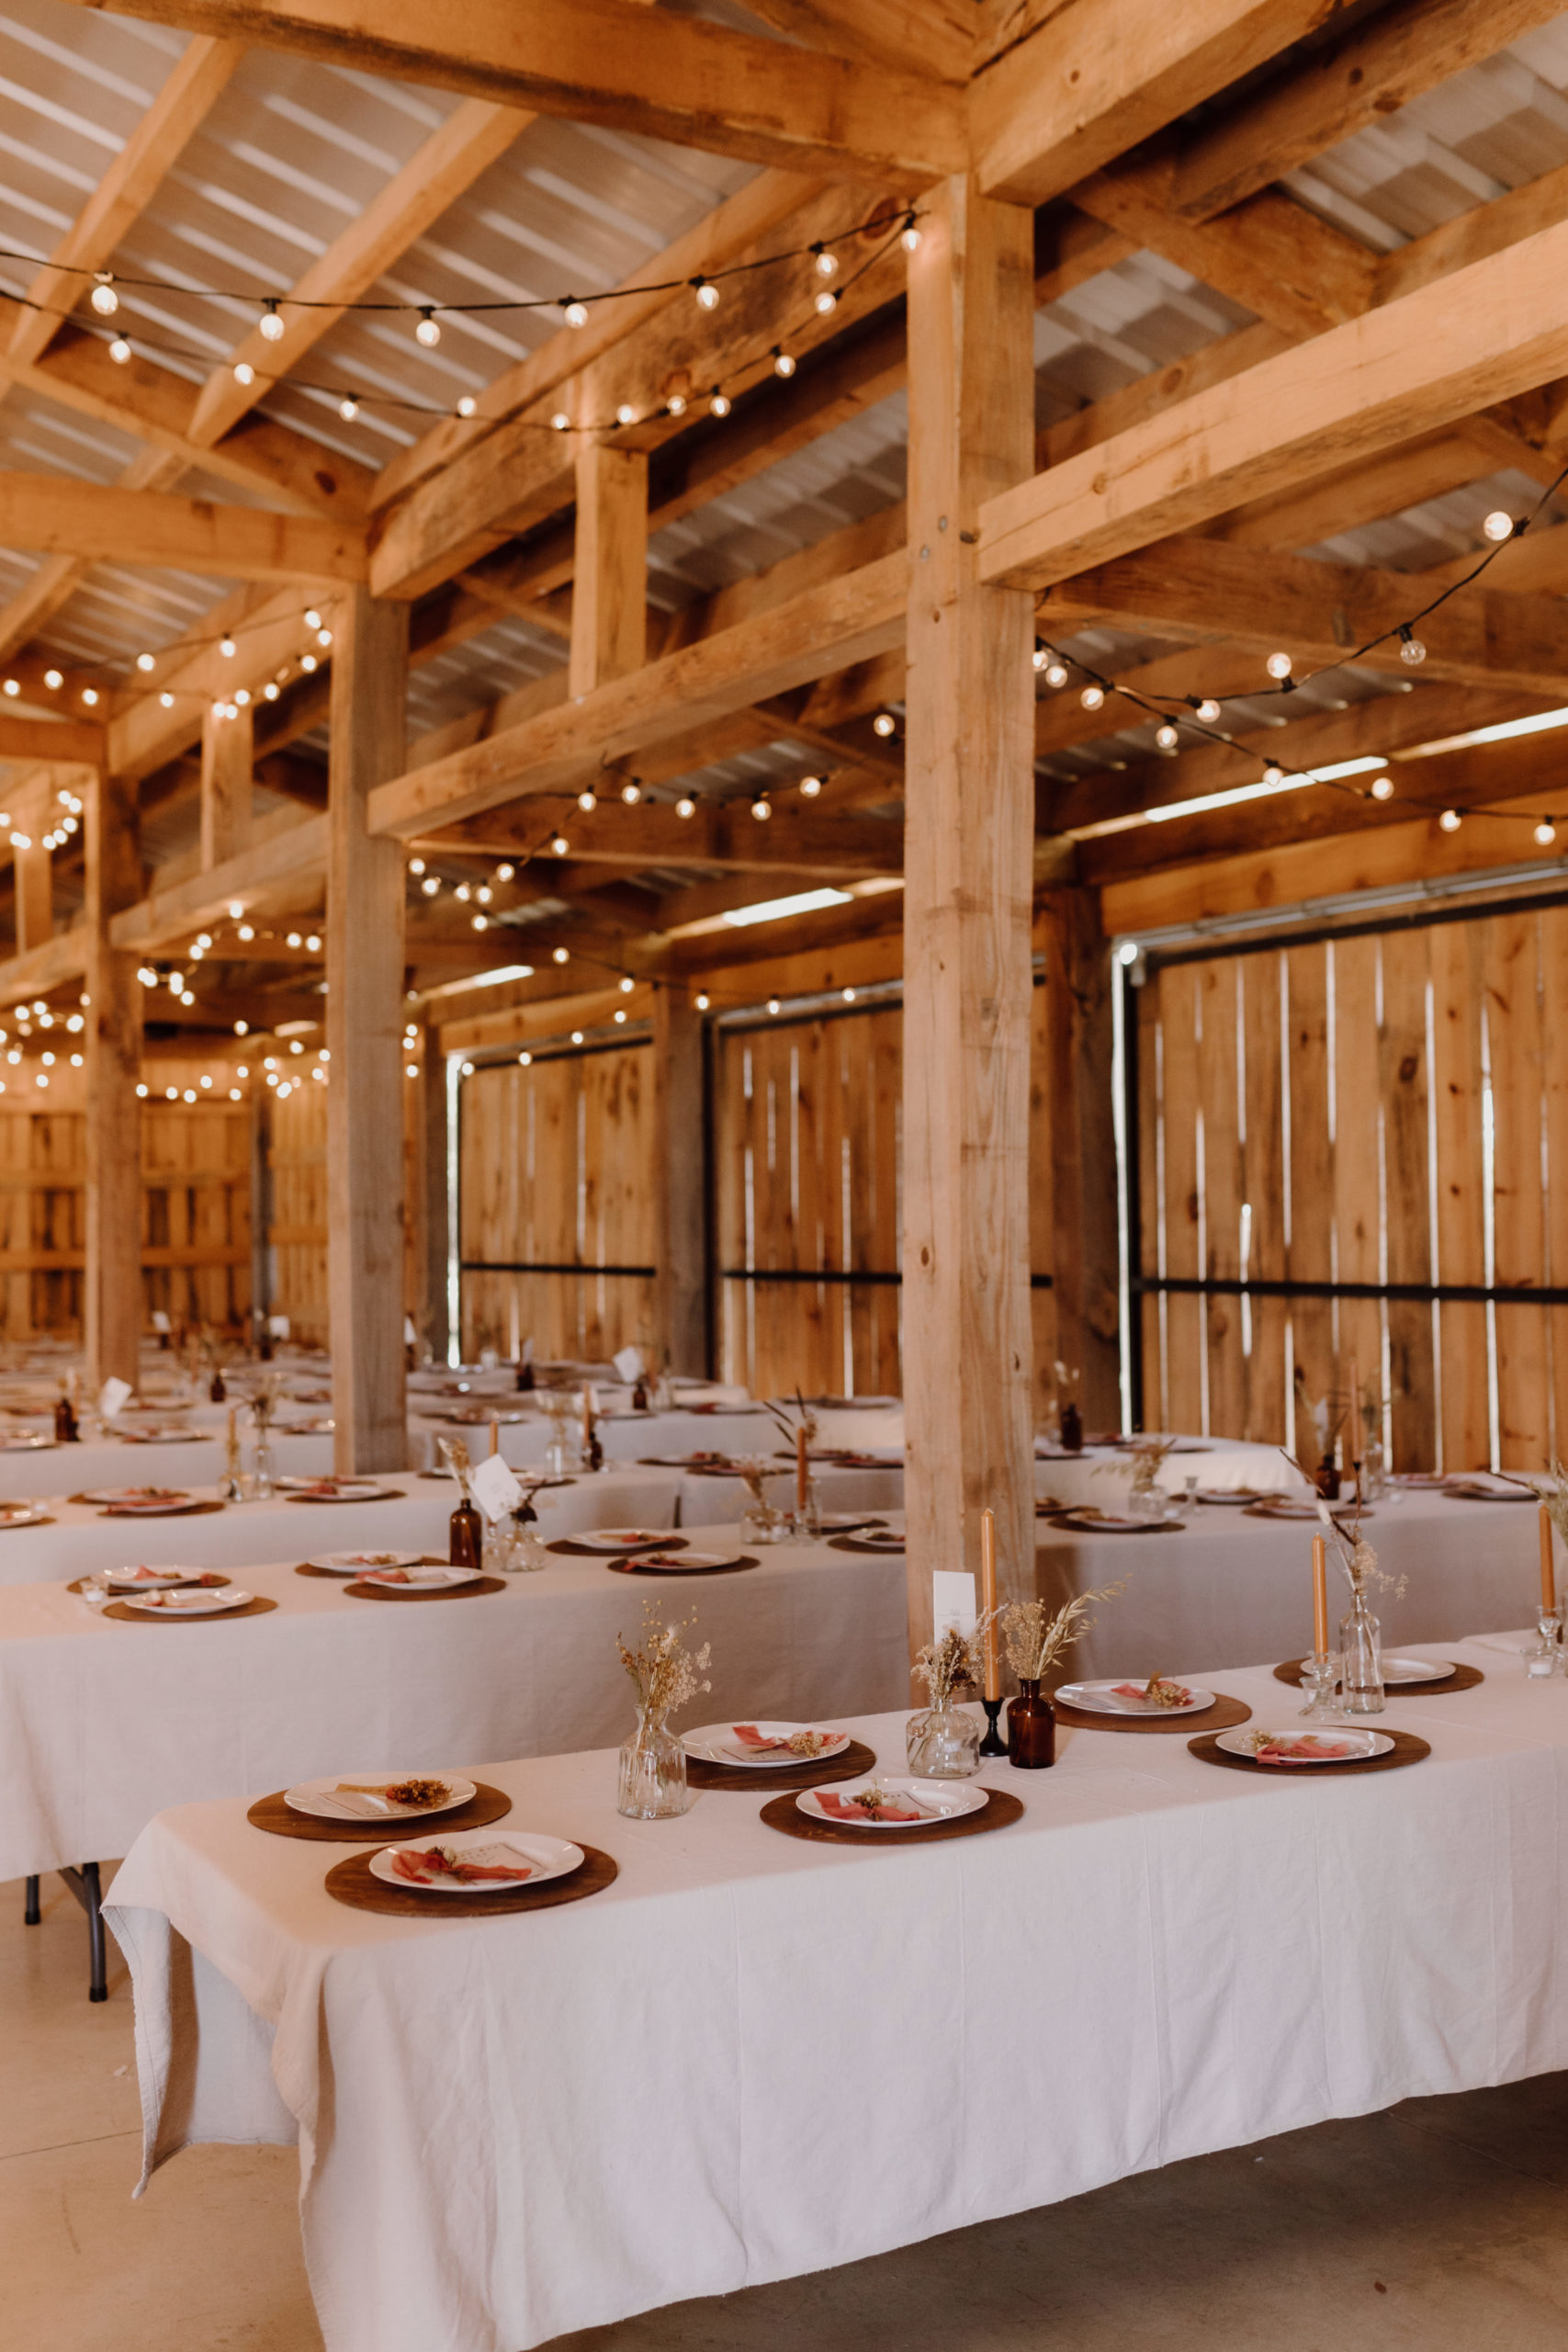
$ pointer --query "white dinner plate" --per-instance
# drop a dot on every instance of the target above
(20, 1515)
(1085, 1519)
(193, 1601)
(354, 1564)
(933, 1800)
(138, 1499)
(549, 1856)
(621, 1539)
(325, 1800)
(147, 1579)
(1238, 1497)
(1396, 1670)
(1106, 1698)
(327, 1491)
(1353, 1746)
(684, 1562)
(160, 1436)
(26, 1444)
(404, 1581)
(717, 1744)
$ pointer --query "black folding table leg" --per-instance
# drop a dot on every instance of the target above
(32, 1915)
(85, 1886)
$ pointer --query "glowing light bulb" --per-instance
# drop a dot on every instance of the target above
(1040, 657)
(311, 617)
(90, 697)
(119, 351)
(810, 786)
(910, 238)
(707, 293)
(703, 1000)
(560, 955)
(1093, 698)
(782, 364)
(348, 408)
(719, 404)
(1545, 835)
(676, 403)
(762, 808)
(1207, 710)
(145, 661)
(883, 723)
(631, 792)
(1449, 820)
(587, 799)
(1498, 526)
(560, 422)
(466, 405)
(243, 372)
(626, 984)
(427, 332)
(826, 302)
(1166, 737)
(1055, 673)
(105, 300)
(1411, 649)
(576, 314)
(685, 806)
(773, 1004)
(270, 691)
(166, 701)
(626, 414)
(228, 648)
(1278, 665)
(1273, 775)
(826, 263)
(269, 324)
(53, 679)
(559, 845)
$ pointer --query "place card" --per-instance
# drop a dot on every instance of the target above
(953, 1601)
(496, 1488)
(629, 1364)
(112, 1395)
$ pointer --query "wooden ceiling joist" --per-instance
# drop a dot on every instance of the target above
(610, 61)
(105, 522)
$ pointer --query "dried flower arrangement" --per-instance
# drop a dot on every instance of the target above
(806, 1418)
(1035, 1637)
(663, 1672)
(1356, 1556)
(453, 1452)
(954, 1659)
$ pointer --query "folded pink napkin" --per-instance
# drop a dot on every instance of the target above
(1306, 1749)
(1180, 1697)
(423, 1867)
(749, 1736)
(868, 1806)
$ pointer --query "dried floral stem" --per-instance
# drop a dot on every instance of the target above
(954, 1659)
(1035, 1637)
(663, 1672)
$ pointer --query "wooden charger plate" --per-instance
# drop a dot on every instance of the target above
(345, 1502)
(571, 1550)
(351, 1882)
(672, 1576)
(1464, 1678)
(1001, 1811)
(279, 1820)
(427, 1560)
(856, 1758)
(871, 1551)
(256, 1608)
(452, 1592)
(1406, 1749)
(1223, 1715)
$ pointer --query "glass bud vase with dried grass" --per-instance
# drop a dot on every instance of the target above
(1035, 1640)
(664, 1674)
(943, 1741)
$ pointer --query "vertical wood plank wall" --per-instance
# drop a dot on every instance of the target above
(555, 1170)
(195, 1252)
(297, 1157)
(1373, 1109)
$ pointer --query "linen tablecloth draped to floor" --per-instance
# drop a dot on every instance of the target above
(104, 1723)
(751, 2058)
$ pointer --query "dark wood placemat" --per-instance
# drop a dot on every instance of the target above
(871, 1551)
(1071, 1524)
(672, 1576)
(999, 1813)
(278, 1818)
(855, 1759)
(185, 1584)
(338, 1576)
(449, 1593)
(346, 1502)
(1406, 1749)
(564, 1544)
(256, 1608)
(351, 1882)
(175, 1510)
(1223, 1715)
(1464, 1678)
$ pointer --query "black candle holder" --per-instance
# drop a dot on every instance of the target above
(993, 1743)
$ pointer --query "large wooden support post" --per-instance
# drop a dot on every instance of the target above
(436, 1225)
(112, 1140)
(1080, 1025)
(609, 592)
(680, 1114)
(227, 760)
(35, 893)
(364, 1021)
(968, 835)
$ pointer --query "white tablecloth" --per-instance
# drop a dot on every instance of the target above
(751, 2058)
(1101, 1475)
(115, 1461)
(103, 1724)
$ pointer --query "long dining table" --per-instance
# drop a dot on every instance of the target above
(767, 2056)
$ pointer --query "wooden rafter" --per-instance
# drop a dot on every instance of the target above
(607, 61)
(144, 526)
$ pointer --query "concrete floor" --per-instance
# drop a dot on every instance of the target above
(1439, 2226)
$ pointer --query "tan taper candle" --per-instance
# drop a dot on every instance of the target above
(802, 1471)
(1548, 1572)
(989, 1601)
(1319, 1596)
(495, 1433)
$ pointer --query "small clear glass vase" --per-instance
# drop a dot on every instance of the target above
(652, 1783)
(263, 1467)
(942, 1743)
(1360, 1661)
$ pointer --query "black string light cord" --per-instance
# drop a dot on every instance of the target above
(1183, 709)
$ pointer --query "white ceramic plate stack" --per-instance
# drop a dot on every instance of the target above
(359, 1564)
(545, 1858)
(329, 1798)
(1112, 1699)
(721, 1744)
(926, 1801)
(187, 1601)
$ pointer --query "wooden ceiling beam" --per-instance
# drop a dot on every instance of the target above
(1319, 612)
(203, 899)
(194, 85)
(727, 836)
(1432, 359)
(937, 40)
(1353, 83)
(1084, 84)
(608, 61)
(107, 523)
(56, 740)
